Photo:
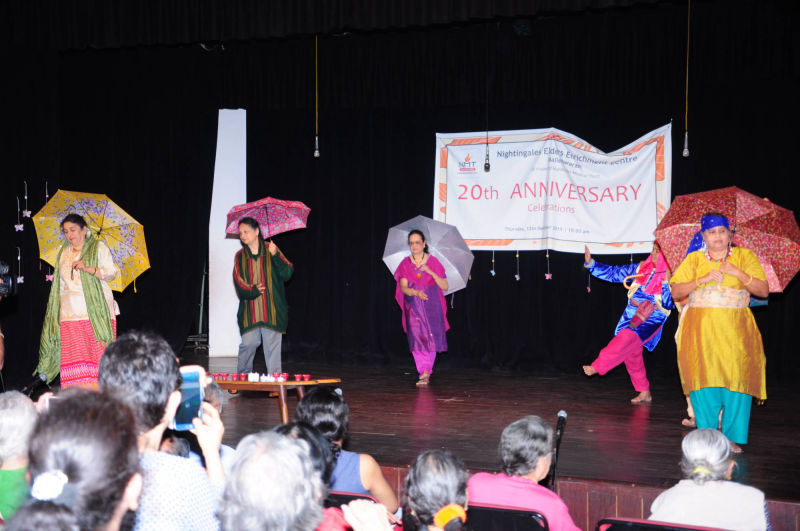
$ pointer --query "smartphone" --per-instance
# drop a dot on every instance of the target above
(191, 402)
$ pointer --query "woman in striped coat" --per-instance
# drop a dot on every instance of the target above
(259, 272)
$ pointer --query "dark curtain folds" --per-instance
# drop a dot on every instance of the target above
(140, 124)
(81, 24)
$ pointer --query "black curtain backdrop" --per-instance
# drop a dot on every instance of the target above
(90, 107)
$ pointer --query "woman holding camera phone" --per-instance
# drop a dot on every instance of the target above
(80, 320)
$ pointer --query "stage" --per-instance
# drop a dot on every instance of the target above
(614, 457)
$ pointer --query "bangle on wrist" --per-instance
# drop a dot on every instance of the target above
(749, 281)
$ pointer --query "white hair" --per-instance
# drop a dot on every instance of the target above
(523, 443)
(706, 456)
(17, 417)
(272, 486)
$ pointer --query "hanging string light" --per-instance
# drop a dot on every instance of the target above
(516, 277)
(316, 96)
(486, 165)
(686, 113)
(492, 271)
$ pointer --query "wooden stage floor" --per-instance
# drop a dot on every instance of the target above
(605, 438)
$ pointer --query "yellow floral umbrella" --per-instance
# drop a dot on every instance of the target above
(123, 235)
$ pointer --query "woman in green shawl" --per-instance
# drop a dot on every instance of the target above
(81, 317)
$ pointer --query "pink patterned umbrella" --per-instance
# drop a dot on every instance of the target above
(770, 231)
(273, 215)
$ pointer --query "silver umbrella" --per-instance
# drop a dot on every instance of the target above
(444, 242)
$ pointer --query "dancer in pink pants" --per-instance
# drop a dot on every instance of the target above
(421, 281)
(649, 305)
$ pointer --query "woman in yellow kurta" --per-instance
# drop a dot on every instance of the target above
(720, 353)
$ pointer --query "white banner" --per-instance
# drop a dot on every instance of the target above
(547, 189)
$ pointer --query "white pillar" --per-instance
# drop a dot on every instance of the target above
(230, 188)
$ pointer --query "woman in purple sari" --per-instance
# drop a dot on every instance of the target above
(421, 281)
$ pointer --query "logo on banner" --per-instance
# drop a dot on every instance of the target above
(468, 165)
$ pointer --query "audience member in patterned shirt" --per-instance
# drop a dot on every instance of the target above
(141, 369)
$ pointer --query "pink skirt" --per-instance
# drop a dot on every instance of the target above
(80, 353)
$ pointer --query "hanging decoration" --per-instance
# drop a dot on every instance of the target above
(492, 271)
(589, 283)
(548, 275)
(316, 96)
(20, 278)
(19, 226)
(48, 277)
(26, 213)
(516, 277)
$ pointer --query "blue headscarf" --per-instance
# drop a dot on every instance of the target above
(709, 221)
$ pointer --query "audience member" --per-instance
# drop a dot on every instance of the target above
(526, 449)
(326, 410)
(83, 464)
(142, 370)
(173, 444)
(215, 397)
(17, 417)
(706, 497)
(368, 516)
(436, 493)
(272, 486)
(44, 516)
(319, 449)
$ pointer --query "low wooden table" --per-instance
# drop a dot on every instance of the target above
(279, 387)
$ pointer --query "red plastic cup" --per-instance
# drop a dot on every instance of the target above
(306, 377)
(298, 377)
(285, 375)
(276, 375)
(243, 377)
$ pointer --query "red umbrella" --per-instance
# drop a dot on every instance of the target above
(273, 216)
(770, 231)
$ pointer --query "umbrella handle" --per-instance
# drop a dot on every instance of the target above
(629, 277)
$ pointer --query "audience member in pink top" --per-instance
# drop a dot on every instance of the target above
(526, 453)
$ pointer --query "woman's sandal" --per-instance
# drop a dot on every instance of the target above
(424, 380)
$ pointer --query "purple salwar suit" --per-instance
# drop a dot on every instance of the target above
(425, 322)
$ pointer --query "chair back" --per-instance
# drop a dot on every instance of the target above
(636, 524)
(338, 498)
(500, 518)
